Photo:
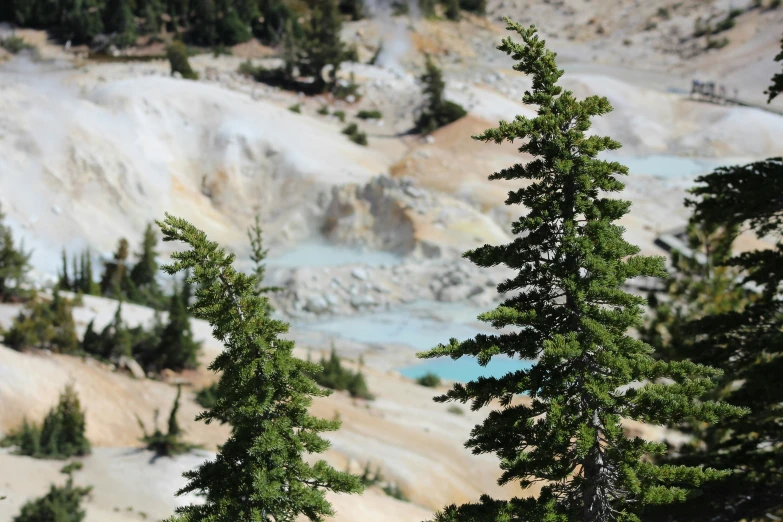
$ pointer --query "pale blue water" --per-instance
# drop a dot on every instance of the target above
(667, 166)
(464, 369)
(325, 254)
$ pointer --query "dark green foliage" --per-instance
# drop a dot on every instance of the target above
(321, 45)
(777, 80)
(297, 108)
(429, 380)
(207, 397)
(323, 110)
(81, 279)
(439, 111)
(116, 282)
(61, 436)
(700, 285)
(451, 9)
(277, 15)
(340, 115)
(177, 349)
(747, 344)
(60, 504)
(44, 325)
(427, 8)
(572, 315)
(264, 393)
(335, 377)
(369, 115)
(81, 20)
(370, 479)
(118, 19)
(257, 256)
(167, 444)
(352, 8)
(476, 6)
(14, 264)
(14, 44)
(355, 135)
(719, 43)
(178, 59)
(142, 275)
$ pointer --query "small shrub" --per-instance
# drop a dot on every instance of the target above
(15, 44)
(340, 115)
(335, 377)
(724, 25)
(297, 108)
(774, 4)
(166, 444)
(355, 135)
(439, 111)
(323, 110)
(60, 504)
(456, 410)
(430, 380)
(178, 59)
(663, 12)
(342, 90)
(717, 44)
(701, 28)
(369, 115)
(476, 6)
(44, 325)
(61, 436)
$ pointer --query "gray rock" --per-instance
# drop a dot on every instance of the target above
(358, 301)
(359, 273)
(316, 304)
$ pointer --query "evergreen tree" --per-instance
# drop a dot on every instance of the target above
(264, 393)
(178, 59)
(64, 282)
(477, 6)
(88, 285)
(257, 256)
(81, 20)
(230, 27)
(747, 344)
(116, 339)
(572, 317)
(777, 80)
(14, 263)
(177, 349)
(439, 111)
(276, 15)
(204, 22)
(60, 504)
(142, 275)
(116, 282)
(45, 326)
(119, 20)
(322, 46)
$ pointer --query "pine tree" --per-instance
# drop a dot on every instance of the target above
(258, 256)
(264, 393)
(177, 349)
(119, 19)
(167, 444)
(64, 428)
(142, 275)
(64, 282)
(14, 263)
(60, 504)
(89, 286)
(81, 20)
(322, 46)
(439, 111)
(572, 318)
(747, 344)
(777, 80)
(45, 326)
(116, 282)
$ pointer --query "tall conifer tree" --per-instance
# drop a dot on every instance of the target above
(572, 315)
(177, 349)
(264, 394)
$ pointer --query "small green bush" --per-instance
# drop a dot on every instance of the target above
(663, 12)
(456, 410)
(166, 444)
(717, 44)
(44, 325)
(430, 380)
(724, 25)
(60, 504)
(476, 6)
(323, 110)
(335, 377)
(15, 44)
(297, 108)
(340, 115)
(355, 135)
(178, 59)
(61, 436)
(369, 115)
